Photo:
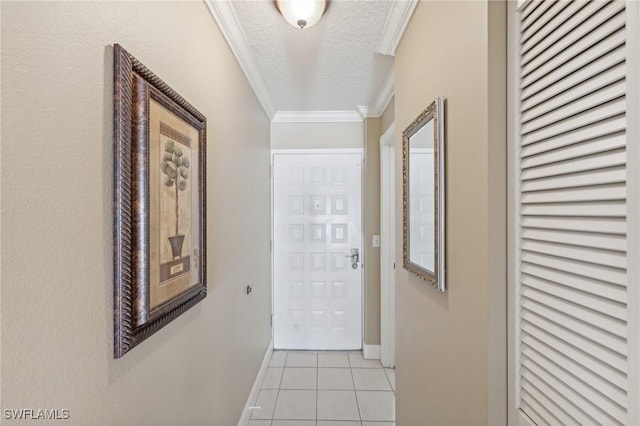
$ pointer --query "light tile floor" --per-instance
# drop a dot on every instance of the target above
(305, 388)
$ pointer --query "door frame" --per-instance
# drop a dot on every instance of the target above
(633, 205)
(514, 416)
(312, 151)
(387, 249)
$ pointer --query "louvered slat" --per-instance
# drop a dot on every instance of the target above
(600, 385)
(551, 87)
(611, 43)
(550, 114)
(589, 177)
(583, 269)
(610, 209)
(578, 356)
(579, 91)
(583, 239)
(595, 225)
(594, 404)
(590, 24)
(595, 193)
(600, 129)
(581, 328)
(611, 259)
(592, 162)
(595, 146)
(605, 324)
(572, 201)
(532, 322)
(586, 118)
(564, 279)
(537, 12)
(532, 407)
(566, 397)
(557, 14)
(545, 400)
(527, 6)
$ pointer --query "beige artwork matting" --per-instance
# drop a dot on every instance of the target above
(173, 148)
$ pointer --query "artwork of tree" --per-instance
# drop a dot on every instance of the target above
(175, 167)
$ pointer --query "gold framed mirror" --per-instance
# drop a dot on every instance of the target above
(423, 195)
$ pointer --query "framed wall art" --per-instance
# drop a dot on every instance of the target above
(423, 195)
(159, 203)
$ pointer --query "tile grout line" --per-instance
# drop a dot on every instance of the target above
(389, 381)
(286, 355)
(354, 388)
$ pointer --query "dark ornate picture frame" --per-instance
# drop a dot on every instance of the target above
(156, 166)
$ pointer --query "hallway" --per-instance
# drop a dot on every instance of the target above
(325, 389)
(540, 320)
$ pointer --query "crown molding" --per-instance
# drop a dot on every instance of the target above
(386, 93)
(316, 117)
(224, 15)
(396, 24)
(384, 97)
(227, 21)
(366, 112)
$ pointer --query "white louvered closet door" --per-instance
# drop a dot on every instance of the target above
(571, 234)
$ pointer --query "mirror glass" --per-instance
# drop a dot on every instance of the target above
(423, 195)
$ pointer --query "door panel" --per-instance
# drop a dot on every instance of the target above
(317, 227)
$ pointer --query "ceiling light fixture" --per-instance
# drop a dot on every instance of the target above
(302, 13)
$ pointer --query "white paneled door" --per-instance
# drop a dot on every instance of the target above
(317, 295)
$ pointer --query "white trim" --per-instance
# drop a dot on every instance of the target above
(253, 395)
(383, 99)
(397, 21)
(387, 249)
(386, 92)
(513, 215)
(633, 207)
(387, 138)
(316, 117)
(521, 4)
(224, 15)
(367, 112)
(370, 351)
(442, 210)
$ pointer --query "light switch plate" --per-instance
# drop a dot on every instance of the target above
(376, 240)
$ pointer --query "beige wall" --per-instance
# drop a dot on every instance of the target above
(57, 272)
(316, 135)
(451, 347)
(372, 131)
(388, 115)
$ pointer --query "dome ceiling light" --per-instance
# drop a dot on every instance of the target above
(302, 13)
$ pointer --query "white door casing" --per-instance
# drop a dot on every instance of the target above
(317, 224)
(387, 249)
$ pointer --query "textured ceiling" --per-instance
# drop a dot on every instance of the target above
(329, 67)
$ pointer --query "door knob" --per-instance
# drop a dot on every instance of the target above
(355, 257)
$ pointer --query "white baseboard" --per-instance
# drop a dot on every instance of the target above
(246, 413)
(370, 351)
